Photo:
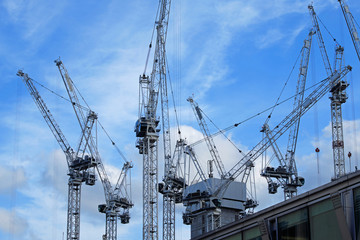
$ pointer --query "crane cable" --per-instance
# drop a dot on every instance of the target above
(173, 100)
(112, 142)
(257, 114)
(152, 38)
(354, 20)
(48, 89)
(86, 109)
(353, 119)
(334, 39)
(222, 133)
(282, 90)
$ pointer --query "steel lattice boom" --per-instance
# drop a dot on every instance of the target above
(147, 135)
(78, 162)
(118, 198)
(286, 173)
(349, 18)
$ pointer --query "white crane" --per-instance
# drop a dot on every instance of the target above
(118, 200)
(207, 197)
(146, 130)
(337, 98)
(79, 162)
(286, 174)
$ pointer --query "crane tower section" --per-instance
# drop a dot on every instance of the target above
(146, 127)
(338, 97)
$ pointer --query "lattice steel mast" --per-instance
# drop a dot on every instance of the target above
(147, 133)
(338, 97)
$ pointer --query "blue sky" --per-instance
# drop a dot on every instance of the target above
(234, 56)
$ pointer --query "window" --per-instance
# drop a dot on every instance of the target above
(235, 237)
(252, 234)
(273, 229)
(294, 225)
(323, 221)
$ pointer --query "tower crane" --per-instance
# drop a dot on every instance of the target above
(117, 199)
(210, 197)
(147, 134)
(286, 173)
(337, 98)
(79, 162)
(350, 21)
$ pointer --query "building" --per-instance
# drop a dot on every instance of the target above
(331, 211)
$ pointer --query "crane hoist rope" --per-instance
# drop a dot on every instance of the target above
(254, 116)
(220, 131)
(282, 90)
(286, 174)
(86, 109)
(327, 30)
(58, 95)
(174, 104)
(151, 40)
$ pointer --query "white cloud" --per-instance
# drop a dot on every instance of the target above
(11, 178)
(11, 222)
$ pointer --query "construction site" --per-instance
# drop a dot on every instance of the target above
(176, 120)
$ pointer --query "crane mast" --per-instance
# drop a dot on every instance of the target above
(147, 133)
(338, 94)
(287, 172)
(78, 165)
(349, 18)
(338, 97)
(115, 199)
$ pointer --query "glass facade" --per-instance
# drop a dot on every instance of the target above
(357, 211)
(294, 225)
(316, 220)
(237, 236)
(252, 234)
(323, 221)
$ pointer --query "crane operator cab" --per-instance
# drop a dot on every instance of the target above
(145, 127)
(140, 127)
